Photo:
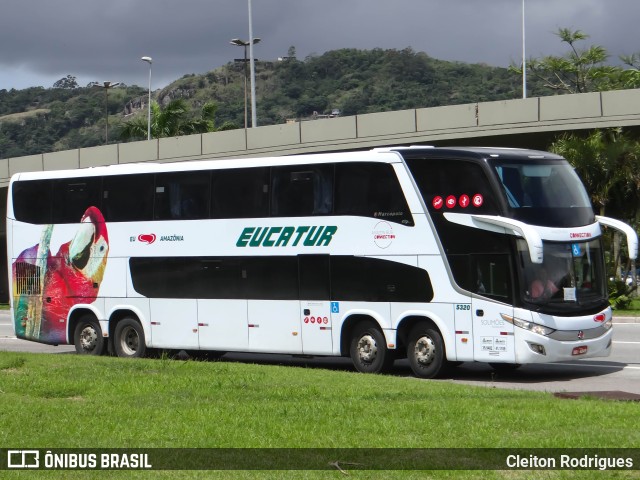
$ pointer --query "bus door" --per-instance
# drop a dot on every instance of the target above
(493, 335)
(315, 307)
(273, 308)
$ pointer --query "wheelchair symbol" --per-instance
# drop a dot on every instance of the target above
(335, 307)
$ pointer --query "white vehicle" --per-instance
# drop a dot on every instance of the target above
(440, 255)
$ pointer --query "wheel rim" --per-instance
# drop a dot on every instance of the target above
(129, 341)
(88, 338)
(425, 350)
(367, 348)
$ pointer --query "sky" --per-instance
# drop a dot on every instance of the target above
(42, 41)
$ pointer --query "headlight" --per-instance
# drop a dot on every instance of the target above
(524, 324)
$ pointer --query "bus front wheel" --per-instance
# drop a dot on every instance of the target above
(425, 351)
(368, 349)
(87, 336)
(129, 339)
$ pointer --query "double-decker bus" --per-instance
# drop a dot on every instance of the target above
(438, 255)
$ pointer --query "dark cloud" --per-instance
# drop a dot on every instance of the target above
(43, 40)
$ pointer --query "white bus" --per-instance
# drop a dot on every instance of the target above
(438, 255)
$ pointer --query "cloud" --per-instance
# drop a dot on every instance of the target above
(46, 40)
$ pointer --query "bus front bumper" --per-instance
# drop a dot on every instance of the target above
(561, 346)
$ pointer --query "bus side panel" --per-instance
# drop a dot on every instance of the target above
(274, 326)
(223, 325)
(117, 280)
(317, 325)
(174, 323)
(463, 332)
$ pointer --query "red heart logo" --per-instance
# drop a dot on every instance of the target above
(148, 238)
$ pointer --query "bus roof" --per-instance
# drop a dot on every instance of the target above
(476, 152)
(384, 155)
(214, 164)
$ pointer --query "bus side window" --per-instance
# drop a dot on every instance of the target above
(370, 190)
(375, 280)
(73, 197)
(182, 196)
(127, 198)
(32, 201)
(240, 193)
(300, 191)
(451, 177)
(488, 274)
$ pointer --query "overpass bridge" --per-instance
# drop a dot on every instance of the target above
(531, 122)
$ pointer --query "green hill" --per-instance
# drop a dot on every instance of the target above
(38, 120)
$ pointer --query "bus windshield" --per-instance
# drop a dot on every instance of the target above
(571, 275)
(545, 193)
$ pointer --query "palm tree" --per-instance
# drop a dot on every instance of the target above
(173, 120)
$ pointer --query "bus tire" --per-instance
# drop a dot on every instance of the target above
(368, 349)
(129, 339)
(425, 351)
(87, 336)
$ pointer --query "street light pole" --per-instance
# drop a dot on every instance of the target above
(242, 43)
(106, 86)
(149, 60)
(254, 122)
(524, 60)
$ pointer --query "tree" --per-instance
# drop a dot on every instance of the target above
(172, 121)
(630, 78)
(67, 82)
(608, 161)
(578, 71)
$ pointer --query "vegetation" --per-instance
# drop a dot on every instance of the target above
(38, 120)
(608, 161)
(582, 70)
(631, 310)
(172, 121)
(70, 401)
(620, 294)
(352, 81)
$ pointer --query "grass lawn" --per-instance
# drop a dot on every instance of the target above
(632, 311)
(70, 401)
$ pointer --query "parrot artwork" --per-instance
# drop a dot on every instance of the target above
(47, 286)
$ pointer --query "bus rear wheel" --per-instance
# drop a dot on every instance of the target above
(368, 349)
(87, 336)
(129, 339)
(425, 351)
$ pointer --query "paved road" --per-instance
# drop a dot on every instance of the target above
(619, 372)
